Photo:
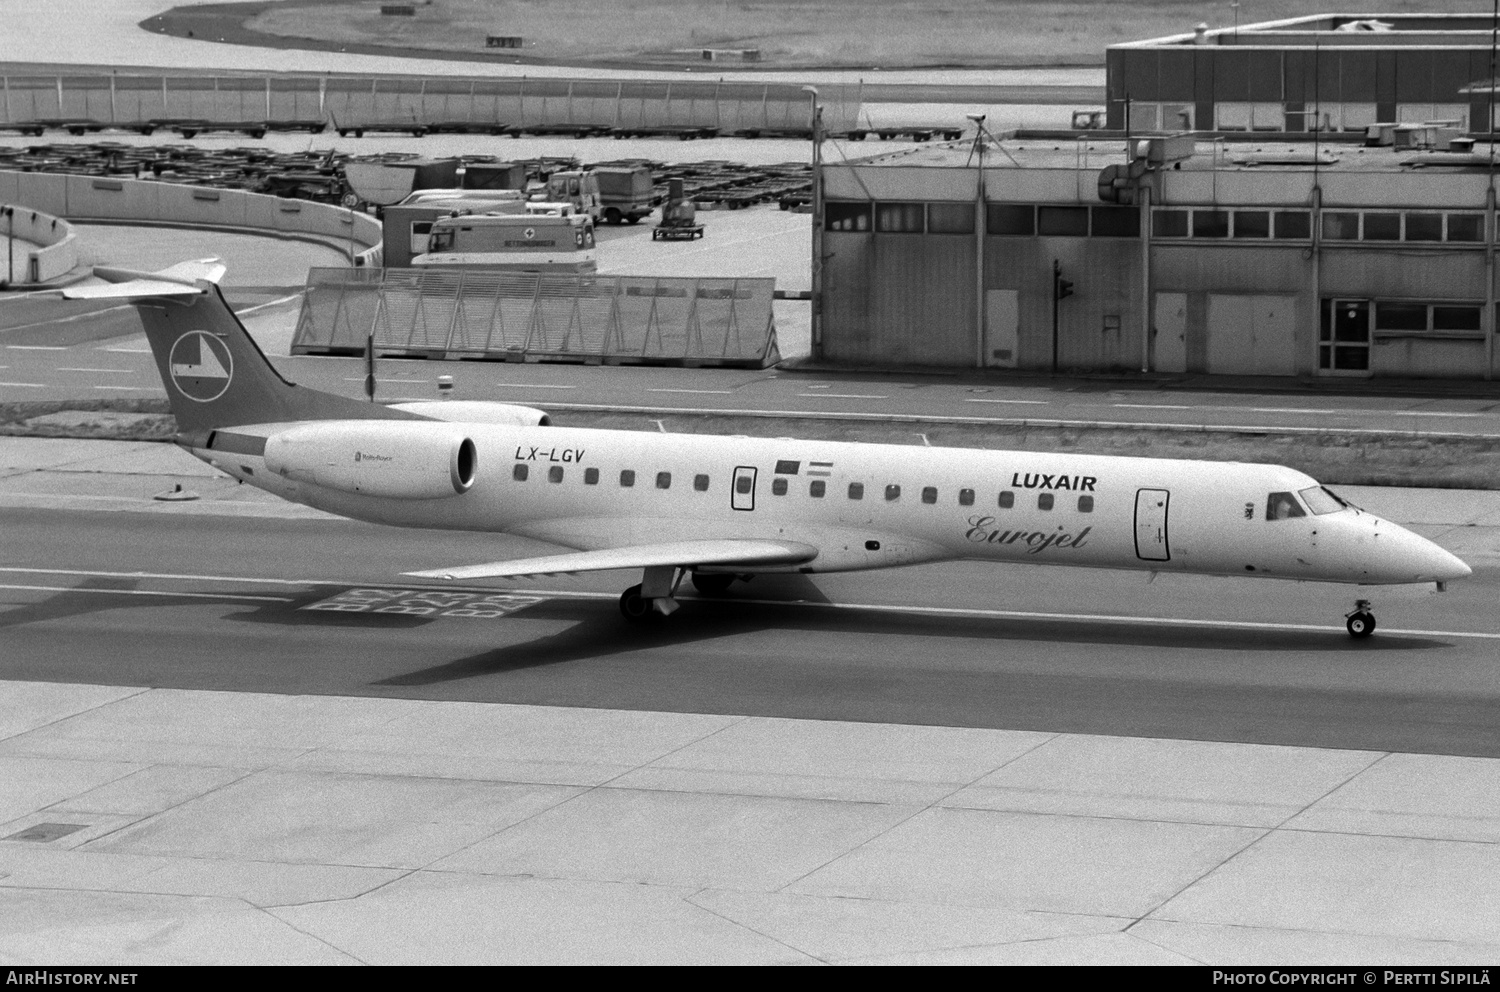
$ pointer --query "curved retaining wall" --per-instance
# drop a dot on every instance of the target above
(58, 245)
(84, 198)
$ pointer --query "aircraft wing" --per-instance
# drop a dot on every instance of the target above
(726, 552)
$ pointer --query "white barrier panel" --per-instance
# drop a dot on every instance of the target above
(105, 198)
(58, 251)
(418, 102)
(538, 317)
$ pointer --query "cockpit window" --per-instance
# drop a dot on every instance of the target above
(1283, 506)
(1320, 500)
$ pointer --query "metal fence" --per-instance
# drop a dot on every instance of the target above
(418, 102)
(539, 317)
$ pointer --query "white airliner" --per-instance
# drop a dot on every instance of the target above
(722, 508)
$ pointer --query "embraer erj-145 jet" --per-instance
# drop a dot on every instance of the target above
(721, 508)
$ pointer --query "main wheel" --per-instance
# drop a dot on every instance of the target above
(712, 584)
(1361, 624)
(636, 608)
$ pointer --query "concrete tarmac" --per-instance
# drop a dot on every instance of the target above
(935, 765)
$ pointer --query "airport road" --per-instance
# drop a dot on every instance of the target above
(123, 368)
(221, 602)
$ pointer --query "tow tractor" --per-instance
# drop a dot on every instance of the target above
(678, 217)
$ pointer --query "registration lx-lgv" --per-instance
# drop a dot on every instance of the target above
(720, 509)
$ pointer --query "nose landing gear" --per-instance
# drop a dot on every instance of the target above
(1360, 622)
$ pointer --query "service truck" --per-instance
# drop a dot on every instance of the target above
(511, 242)
(615, 194)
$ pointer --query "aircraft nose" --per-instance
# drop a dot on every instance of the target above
(1415, 556)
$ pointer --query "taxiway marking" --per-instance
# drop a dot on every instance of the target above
(1292, 409)
(123, 371)
(150, 592)
(958, 611)
(844, 396)
(977, 399)
(25, 385)
(717, 392)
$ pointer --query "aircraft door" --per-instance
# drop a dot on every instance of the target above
(742, 494)
(1151, 525)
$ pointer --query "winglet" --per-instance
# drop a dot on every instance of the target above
(182, 279)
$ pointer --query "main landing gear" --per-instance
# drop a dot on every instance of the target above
(1361, 622)
(654, 599)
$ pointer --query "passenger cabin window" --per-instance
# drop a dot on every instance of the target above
(856, 490)
(929, 494)
(627, 477)
(816, 489)
(1283, 506)
(892, 493)
(744, 484)
(663, 480)
(1320, 500)
(1007, 500)
(1085, 504)
(700, 483)
(555, 474)
(591, 477)
(778, 487)
(1044, 501)
(966, 497)
(519, 473)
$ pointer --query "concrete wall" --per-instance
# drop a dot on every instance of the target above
(57, 250)
(94, 198)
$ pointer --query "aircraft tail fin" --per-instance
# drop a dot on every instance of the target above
(214, 373)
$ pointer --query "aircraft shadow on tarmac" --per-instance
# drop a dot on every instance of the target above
(596, 631)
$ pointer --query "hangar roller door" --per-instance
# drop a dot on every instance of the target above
(1251, 335)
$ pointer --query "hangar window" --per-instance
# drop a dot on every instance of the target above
(1341, 225)
(1067, 222)
(555, 473)
(1283, 506)
(856, 490)
(950, 218)
(1401, 316)
(1015, 219)
(1293, 225)
(1117, 222)
(845, 216)
(519, 473)
(1210, 223)
(591, 477)
(1424, 227)
(1382, 227)
(929, 494)
(1169, 223)
(627, 477)
(1455, 318)
(898, 218)
(816, 489)
(778, 487)
(1466, 227)
(1252, 223)
(1085, 504)
(892, 493)
(700, 483)
(1007, 500)
(663, 480)
(966, 497)
(1044, 501)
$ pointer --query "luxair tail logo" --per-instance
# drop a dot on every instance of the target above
(201, 365)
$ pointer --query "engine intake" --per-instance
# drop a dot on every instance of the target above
(377, 458)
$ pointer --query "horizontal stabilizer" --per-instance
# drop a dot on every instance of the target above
(726, 552)
(182, 279)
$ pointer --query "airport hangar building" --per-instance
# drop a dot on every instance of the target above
(1233, 252)
(1260, 258)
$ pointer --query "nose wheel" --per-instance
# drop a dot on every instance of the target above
(1361, 622)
